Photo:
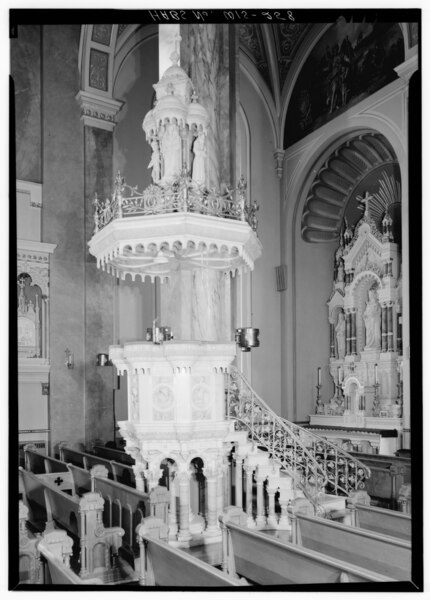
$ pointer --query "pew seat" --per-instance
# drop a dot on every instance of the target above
(385, 521)
(267, 561)
(386, 555)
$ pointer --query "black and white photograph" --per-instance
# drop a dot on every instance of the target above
(215, 368)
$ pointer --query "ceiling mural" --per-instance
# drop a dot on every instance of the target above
(288, 37)
(251, 40)
(350, 62)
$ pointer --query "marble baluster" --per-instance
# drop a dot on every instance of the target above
(271, 518)
(184, 534)
(238, 481)
(211, 486)
(249, 496)
(173, 521)
(261, 519)
(222, 473)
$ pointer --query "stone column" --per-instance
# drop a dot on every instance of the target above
(222, 473)
(138, 470)
(384, 341)
(173, 521)
(238, 500)
(211, 486)
(390, 332)
(399, 334)
(353, 331)
(184, 534)
(271, 519)
(227, 483)
(261, 519)
(348, 332)
(332, 341)
(248, 490)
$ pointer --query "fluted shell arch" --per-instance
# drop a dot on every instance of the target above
(336, 182)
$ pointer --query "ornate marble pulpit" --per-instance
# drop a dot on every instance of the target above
(193, 239)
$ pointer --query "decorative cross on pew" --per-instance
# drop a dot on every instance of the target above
(58, 481)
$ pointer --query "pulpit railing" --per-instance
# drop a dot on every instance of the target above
(179, 195)
(315, 464)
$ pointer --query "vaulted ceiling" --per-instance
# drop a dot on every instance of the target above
(272, 49)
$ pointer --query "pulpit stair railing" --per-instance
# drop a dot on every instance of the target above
(315, 464)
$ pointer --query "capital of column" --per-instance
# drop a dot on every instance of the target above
(98, 111)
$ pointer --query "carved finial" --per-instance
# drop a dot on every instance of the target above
(174, 57)
(194, 96)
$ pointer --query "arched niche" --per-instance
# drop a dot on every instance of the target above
(364, 162)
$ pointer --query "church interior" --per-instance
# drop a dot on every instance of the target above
(214, 316)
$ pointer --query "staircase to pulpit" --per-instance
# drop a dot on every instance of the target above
(318, 470)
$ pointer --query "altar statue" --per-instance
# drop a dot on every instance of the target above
(372, 321)
(155, 160)
(199, 163)
(340, 335)
(171, 150)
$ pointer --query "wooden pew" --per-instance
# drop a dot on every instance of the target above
(382, 520)
(47, 503)
(164, 565)
(386, 555)
(40, 463)
(117, 471)
(80, 516)
(267, 561)
(113, 454)
(55, 547)
(124, 506)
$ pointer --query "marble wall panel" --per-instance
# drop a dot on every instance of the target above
(63, 224)
(25, 60)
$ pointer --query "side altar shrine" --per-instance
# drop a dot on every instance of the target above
(365, 316)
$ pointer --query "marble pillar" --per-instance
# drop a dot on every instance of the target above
(208, 55)
(196, 305)
(271, 518)
(353, 331)
(173, 522)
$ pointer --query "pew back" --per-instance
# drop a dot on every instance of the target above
(44, 501)
(117, 471)
(268, 561)
(172, 567)
(381, 520)
(113, 454)
(386, 555)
